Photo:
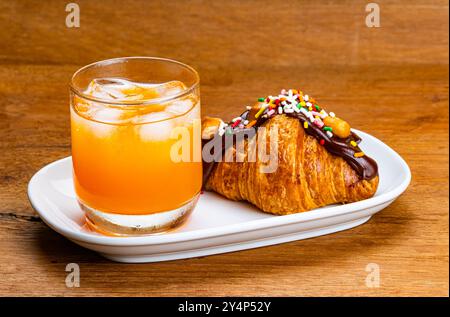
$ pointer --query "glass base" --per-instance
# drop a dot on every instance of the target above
(133, 225)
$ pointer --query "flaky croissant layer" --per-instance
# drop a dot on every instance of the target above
(307, 177)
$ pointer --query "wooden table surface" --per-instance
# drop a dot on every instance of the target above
(391, 82)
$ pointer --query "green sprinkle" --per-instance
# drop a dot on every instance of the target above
(299, 105)
(261, 99)
(328, 129)
(317, 107)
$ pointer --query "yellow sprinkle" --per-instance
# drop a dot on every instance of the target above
(259, 112)
(353, 143)
(358, 154)
(310, 108)
(305, 125)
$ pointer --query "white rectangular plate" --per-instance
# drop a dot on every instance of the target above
(217, 225)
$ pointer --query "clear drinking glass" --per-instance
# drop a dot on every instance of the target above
(136, 144)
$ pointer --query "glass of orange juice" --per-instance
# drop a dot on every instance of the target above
(136, 144)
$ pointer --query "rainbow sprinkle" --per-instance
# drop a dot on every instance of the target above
(287, 102)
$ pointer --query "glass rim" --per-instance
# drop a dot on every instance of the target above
(144, 102)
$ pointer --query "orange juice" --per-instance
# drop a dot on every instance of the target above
(121, 155)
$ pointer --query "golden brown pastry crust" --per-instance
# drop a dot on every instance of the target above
(307, 177)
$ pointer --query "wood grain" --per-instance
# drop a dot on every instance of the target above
(390, 81)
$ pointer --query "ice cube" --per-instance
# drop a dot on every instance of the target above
(105, 121)
(109, 88)
(102, 129)
(154, 126)
(170, 88)
(195, 112)
(144, 91)
(151, 121)
(107, 115)
(186, 109)
(118, 89)
(97, 128)
(179, 107)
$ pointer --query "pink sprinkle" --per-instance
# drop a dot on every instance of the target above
(315, 113)
(319, 123)
(271, 112)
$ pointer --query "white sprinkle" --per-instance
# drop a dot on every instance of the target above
(329, 134)
(303, 110)
(332, 114)
(296, 109)
(249, 108)
(309, 104)
(289, 110)
(280, 110)
(222, 125)
(245, 122)
(306, 97)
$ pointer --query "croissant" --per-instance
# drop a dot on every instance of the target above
(309, 173)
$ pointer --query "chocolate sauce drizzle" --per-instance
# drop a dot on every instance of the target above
(364, 166)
